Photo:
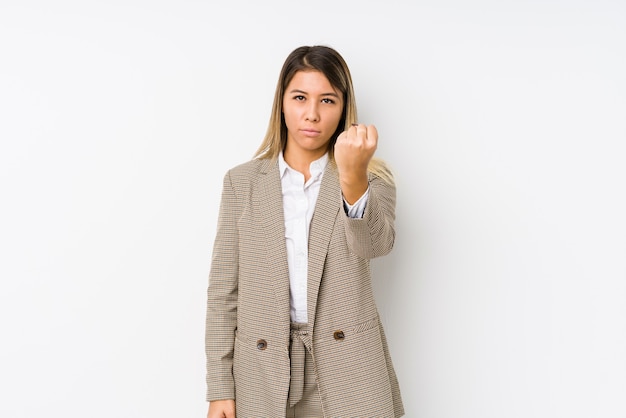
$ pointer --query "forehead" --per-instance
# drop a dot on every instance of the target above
(311, 81)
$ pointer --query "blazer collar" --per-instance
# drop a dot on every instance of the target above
(269, 201)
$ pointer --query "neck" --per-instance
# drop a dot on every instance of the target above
(301, 162)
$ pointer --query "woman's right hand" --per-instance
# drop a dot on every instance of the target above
(222, 409)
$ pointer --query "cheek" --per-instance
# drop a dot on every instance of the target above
(289, 118)
(336, 118)
(286, 114)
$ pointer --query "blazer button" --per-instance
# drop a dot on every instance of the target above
(261, 344)
(338, 335)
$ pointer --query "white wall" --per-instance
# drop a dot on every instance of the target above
(504, 121)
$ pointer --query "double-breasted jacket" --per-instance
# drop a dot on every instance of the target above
(248, 319)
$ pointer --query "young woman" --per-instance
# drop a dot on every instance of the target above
(292, 328)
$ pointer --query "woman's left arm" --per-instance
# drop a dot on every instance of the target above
(374, 234)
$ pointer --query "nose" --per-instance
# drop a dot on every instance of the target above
(312, 112)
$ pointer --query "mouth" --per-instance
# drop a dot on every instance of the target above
(310, 132)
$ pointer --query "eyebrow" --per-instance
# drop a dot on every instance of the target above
(304, 92)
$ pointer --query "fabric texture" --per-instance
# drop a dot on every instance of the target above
(248, 324)
(299, 350)
(303, 377)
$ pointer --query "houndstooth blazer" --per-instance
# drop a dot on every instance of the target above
(248, 322)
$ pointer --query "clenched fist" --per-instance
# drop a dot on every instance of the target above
(353, 151)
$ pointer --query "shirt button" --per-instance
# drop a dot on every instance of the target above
(338, 335)
(261, 344)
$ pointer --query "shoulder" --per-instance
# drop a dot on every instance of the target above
(249, 172)
(251, 168)
(380, 170)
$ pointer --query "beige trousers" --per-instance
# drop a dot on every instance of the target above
(304, 398)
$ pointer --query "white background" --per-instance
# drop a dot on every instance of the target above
(505, 122)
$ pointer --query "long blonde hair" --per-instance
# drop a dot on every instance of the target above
(330, 63)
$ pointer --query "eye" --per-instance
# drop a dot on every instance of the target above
(299, 98)
(327, 100)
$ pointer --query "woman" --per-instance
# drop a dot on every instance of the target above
(292, 327)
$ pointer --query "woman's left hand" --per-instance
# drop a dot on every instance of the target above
(353, 151)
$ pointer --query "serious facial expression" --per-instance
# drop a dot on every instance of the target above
(312, 108)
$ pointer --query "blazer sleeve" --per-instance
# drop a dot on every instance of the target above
(221, 317)
(374, 234)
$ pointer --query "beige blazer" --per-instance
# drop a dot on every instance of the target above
(248, 322)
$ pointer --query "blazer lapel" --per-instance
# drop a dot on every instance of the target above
(270, 210)
(322, 225)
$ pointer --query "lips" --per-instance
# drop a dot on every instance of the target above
(310, 132)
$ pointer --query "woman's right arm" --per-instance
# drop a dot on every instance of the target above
(221, 318)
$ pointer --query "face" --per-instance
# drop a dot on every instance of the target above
(312, 108)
